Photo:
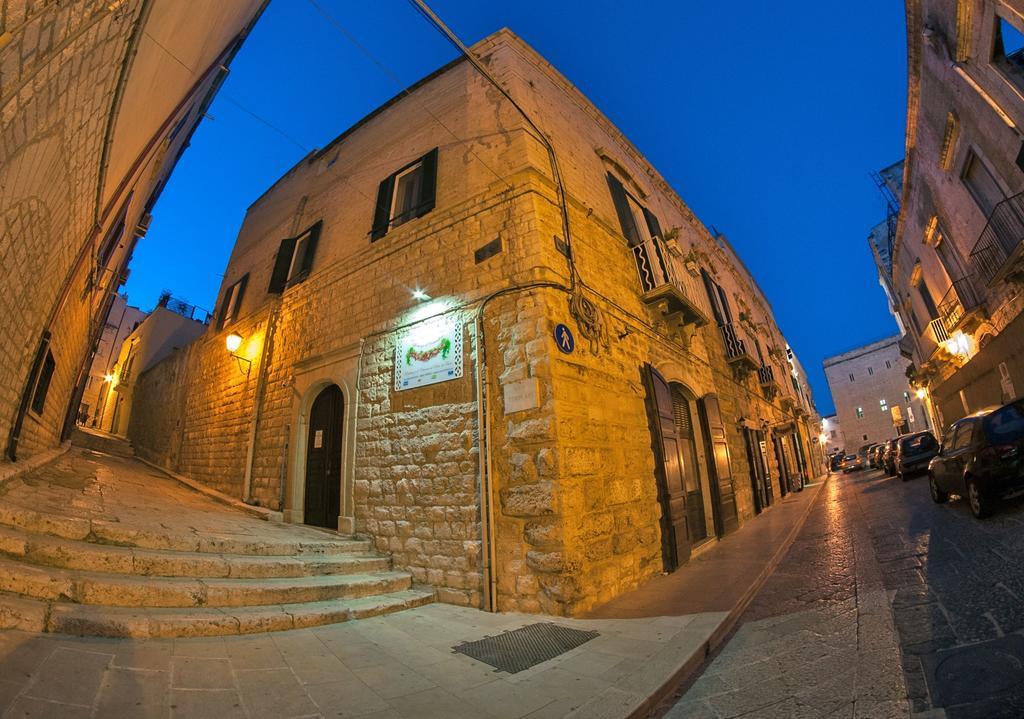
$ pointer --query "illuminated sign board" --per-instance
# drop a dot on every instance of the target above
(428, 352)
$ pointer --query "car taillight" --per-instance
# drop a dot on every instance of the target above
(1005, 451)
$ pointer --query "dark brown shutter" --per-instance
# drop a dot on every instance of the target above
(723, 493)
(712, 289)
(382, 210)
(242, 283)
(653, 226)
(223, 309)
(279, 277)
(675, 536)
(623, 211)
(428, 187)
(311, 243)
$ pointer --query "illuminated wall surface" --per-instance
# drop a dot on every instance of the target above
(429, 292)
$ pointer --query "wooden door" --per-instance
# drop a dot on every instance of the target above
(757, 486)
(695, 520)
(675, 537)
(723, 492)
(323, 459)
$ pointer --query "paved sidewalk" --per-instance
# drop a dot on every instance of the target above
(402, 665)
(818, 640)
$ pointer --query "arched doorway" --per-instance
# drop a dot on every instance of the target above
(322, 497)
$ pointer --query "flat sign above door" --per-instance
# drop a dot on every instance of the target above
(428, 352)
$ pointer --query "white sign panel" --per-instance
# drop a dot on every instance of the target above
(318, 439)
(428, 352)
(521, 395)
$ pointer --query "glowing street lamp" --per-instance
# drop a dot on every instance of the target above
(921, 393)
(419, 295)
(233, 342)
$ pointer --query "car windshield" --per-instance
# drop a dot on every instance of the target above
(918, 443)
(1005, 425)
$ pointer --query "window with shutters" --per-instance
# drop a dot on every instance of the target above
(860, 413)
(638, 223)
(294, 260)
(871, 370)
(981, 184)
(42, 387)
(114, 235)
(232, 303)
(405, 195)
(851, 376)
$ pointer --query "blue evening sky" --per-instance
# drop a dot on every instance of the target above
(766, 117)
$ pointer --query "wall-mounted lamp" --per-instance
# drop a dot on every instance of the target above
(921, 393)
(419, 295)
(108, 378)
(233, 342)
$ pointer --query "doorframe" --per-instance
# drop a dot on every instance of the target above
(306, 387)
(699, 449)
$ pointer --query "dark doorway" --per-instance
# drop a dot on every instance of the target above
(668, 465)
(691, 470)
(760, 482)
(323, 459)
(722, 492)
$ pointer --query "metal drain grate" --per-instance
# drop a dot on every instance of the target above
(520, 649)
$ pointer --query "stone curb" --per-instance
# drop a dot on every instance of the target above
(696, 660)
(11, 470)
(259, 512)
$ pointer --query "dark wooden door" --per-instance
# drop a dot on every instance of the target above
(780, 458)
(695, 521)
(757, 486)
(675, 537)
(323, 459)
(726, 518)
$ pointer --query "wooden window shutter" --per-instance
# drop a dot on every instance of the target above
(382, 211)
(307, 258)
(653, 226)
(623, 211)
(240, 294)
(279, 277)
(223, 311)
(711, 288)
(428, 188)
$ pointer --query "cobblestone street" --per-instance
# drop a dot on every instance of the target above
(882, 592)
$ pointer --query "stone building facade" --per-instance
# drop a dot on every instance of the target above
(957, 271)
(535, 388)
(120, 322)
(97, 101)
(874, 401)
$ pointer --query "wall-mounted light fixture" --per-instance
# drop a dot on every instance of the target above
(233, 342)
(108, 378)
(419, 295)
(921, 393)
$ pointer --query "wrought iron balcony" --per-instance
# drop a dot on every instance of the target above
(676, 294)
(960, 300)
(999, 247)
(738, 347)
(766, 376)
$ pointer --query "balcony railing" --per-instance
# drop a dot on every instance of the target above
(766, 375)
(960, 299)
(738, 346)
(1000, 241)
(674, 291)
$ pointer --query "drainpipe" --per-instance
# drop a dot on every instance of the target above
(484, 443)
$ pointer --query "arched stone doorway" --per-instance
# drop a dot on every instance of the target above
(322, 495)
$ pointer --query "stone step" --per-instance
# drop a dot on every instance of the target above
(42, 549)
(102, 442)
(107, 532)
(122, 590)
(64, 618)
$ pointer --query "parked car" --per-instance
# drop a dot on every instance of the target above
(876, 456)
(889, 456)
(913, 453)
(981, 458)
(852, 463)
(835, 463)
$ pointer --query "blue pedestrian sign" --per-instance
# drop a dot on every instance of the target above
(564, 340)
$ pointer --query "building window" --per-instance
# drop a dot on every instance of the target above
(926, 299)
(43, 383)
(232, 302)
(884, 405)
(981, 184)
(906, 396)
(860, 413)
(833, 434)
(405, 195)
(851, 376)
(113, 236)
(888, 364)
(1008, 51)
(871, 370)
(294, 259)
(865, 437)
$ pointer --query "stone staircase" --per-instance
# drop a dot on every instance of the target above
(100, 441)
(89, 575)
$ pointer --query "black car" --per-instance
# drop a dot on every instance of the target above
(913, 453)
(982, 458)
(835, 462)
